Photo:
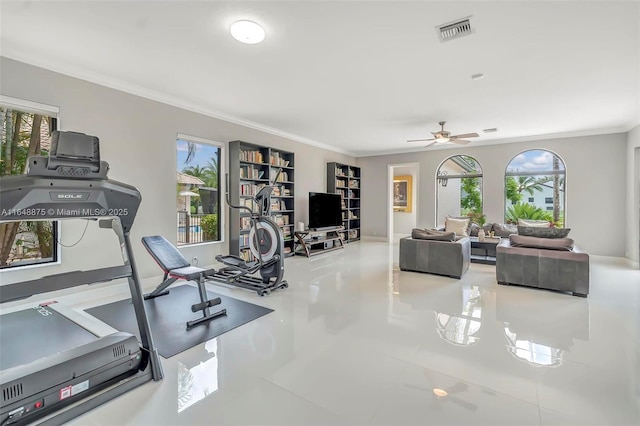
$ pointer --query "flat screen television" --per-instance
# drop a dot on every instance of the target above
(325, 210)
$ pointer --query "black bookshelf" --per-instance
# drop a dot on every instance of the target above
(344, 179)
(250, 167)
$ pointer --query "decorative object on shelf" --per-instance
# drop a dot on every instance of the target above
(402, 190)
(481, 235)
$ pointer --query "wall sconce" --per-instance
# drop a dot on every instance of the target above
(442, 178)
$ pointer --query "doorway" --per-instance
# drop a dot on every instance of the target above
(403, 197)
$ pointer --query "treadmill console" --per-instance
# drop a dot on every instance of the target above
(73, 155)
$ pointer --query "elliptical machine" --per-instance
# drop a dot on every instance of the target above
(266, 244)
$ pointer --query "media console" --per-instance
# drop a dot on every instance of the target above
(310, 243)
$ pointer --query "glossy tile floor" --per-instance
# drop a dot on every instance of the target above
(356, 341)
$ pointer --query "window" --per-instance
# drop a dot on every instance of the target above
(26, 131)
(459, 189)
(540, 174)
(198, 190)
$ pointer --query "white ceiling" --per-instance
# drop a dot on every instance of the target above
(360, 77)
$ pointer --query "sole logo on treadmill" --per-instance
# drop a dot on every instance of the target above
(43, 311)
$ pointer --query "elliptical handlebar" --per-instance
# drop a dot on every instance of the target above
(229, 199)
(262, 197)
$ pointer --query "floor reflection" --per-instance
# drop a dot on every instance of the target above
(196, 383)
(540, 330)
(437, 397)
(462, 329)
(334, 296)
(532, 352)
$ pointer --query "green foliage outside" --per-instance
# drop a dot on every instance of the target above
(21, 138)
(526, 211)
(472, 201)
(512, 190)
(209, 224)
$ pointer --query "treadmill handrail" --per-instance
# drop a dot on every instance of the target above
(25, 289)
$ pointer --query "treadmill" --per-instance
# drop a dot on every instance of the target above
(57, 363)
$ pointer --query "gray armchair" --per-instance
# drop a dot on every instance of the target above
(449, 258)
(543, 263)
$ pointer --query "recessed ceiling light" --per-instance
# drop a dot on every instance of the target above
(247, 32)
(478, 76)
(492, 130)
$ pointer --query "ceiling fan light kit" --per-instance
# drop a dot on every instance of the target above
(443, 137)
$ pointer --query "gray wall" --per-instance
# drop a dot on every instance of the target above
(138, 138)
(633, 194)
(596, 203)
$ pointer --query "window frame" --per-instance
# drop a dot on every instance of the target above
(222, 170)
(438, 177)
(52, 111)
(562, 172)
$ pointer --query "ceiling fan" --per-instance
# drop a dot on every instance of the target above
(443, 136)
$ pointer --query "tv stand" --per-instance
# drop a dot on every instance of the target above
(310, 242)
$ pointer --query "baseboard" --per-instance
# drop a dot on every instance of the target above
(372, 238)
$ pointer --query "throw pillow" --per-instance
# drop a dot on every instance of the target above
(473, 229)
(459, 226)
(504, 230)
(531, 222)
(464, 218)
(565, 244)
(430, 234)
(535, 231)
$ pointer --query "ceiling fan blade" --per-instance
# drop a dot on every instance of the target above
(459, 141)
(429, 144)
(466, 135)
(420, 140)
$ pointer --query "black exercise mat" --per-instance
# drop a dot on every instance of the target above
(168, 316)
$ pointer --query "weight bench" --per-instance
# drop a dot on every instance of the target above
(176, 267)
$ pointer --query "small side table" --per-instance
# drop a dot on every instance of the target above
(486, 250)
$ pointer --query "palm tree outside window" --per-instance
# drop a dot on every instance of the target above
(539, 177)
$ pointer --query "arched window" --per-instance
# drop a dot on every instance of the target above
(535, 187)
(459, 188)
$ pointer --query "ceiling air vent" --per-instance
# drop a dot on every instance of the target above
(454, 30)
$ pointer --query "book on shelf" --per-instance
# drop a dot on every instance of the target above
(278, 219)
(245, 223)
(283, 177)
(276, 159)
(251, 172)
(246, 255)
(252, 156)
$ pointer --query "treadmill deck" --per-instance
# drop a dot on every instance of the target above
(31, 334)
